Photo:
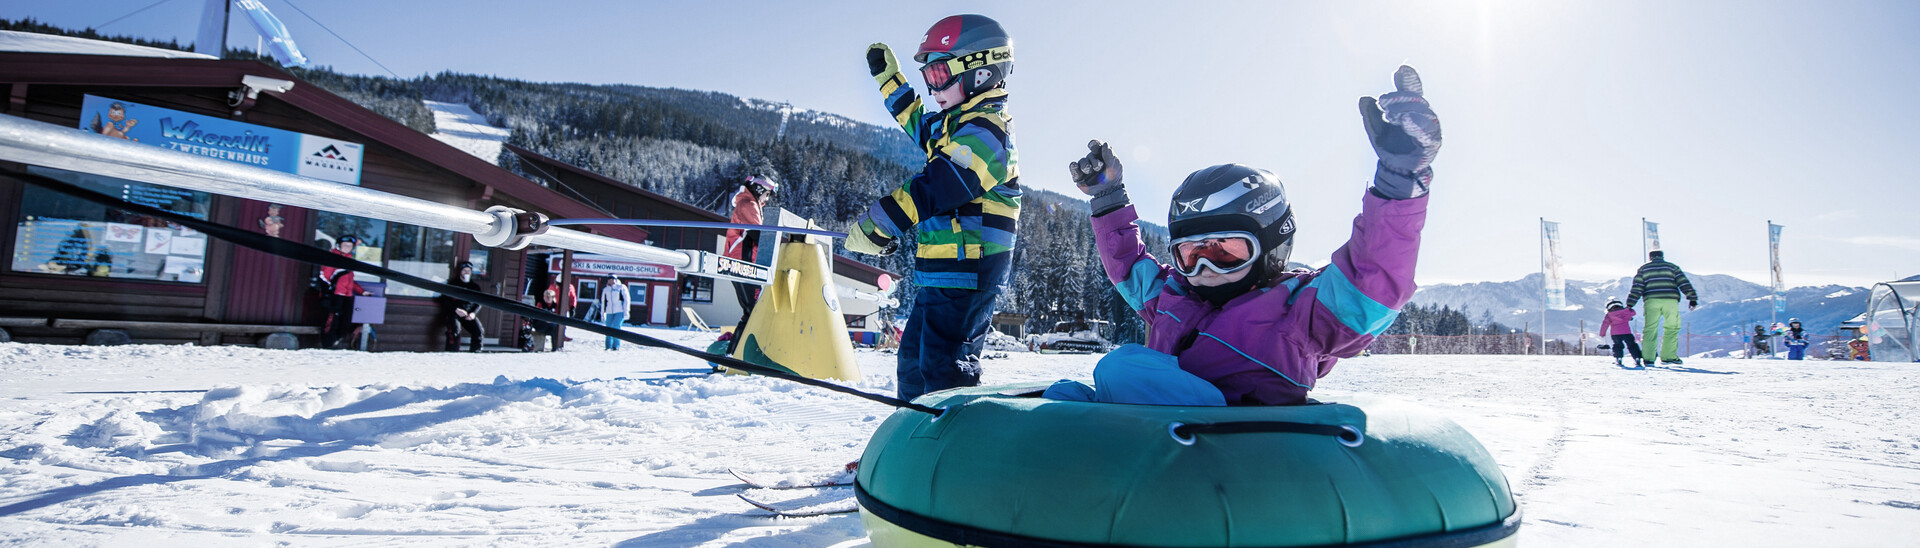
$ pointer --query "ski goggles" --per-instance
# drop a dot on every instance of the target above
(939, 74)
(1222, 252)
(944, 72)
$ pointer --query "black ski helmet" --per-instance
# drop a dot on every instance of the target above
(978, 42)
(1236, 198)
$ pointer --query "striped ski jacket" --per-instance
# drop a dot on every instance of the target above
(1660, 280)
(1269, 346)
(964, 206)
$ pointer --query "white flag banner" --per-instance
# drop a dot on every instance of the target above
(1779, 283)
(1650, 233)
(279, 42)
(1554, 280)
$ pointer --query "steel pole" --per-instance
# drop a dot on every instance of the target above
(43, 144)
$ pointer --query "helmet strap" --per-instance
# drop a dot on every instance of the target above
(1219, 294)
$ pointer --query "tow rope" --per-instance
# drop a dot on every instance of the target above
(313, 255)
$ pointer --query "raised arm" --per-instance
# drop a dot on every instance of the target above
(900, 99)
(1371, 276)
(1116, 230)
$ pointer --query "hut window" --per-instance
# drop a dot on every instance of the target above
(420, 251)
(60, 234)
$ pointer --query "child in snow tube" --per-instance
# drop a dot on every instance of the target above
(1228, 312)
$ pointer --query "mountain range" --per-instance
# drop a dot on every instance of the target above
(1729, 306)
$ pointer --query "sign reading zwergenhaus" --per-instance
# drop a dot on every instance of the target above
(216, 137)
(601, 265)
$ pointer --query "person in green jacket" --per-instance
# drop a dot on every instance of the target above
(1662, 284)
(963, 207)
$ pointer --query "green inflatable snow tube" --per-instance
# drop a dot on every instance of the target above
(1002, 467)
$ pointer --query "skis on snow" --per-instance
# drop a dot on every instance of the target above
(833, 479)
(820, 504)
(804, 507)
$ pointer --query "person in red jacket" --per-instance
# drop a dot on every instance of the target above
(747, 204)
(338, 301)
(1616, 324)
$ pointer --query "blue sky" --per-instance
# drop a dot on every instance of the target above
(1710, 118)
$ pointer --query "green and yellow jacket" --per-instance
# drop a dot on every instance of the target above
(965, 205)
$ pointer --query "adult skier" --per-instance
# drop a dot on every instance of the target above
(615, 304)
(1662, 284)
(337, 298)
(964, 205)
(463, 316)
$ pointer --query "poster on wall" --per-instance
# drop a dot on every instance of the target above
(216, 137)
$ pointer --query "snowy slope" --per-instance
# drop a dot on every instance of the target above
(458, 125)
(244, 447)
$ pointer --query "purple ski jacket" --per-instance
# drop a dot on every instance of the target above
(1616, 322)
(1267, 347)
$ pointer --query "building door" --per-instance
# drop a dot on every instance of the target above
(659, 302)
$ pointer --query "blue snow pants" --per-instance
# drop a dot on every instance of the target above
(615, 320)
(945, 335)
(1139, 375)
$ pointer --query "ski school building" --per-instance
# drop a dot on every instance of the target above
(77, 272)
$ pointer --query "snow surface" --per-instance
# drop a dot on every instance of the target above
(232, 446)
(457, 124)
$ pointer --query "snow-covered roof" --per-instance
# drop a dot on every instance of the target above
(30, 42)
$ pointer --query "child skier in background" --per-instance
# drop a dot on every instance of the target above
(1795, 340)
(964, 205)
(1616, 324)
(1228, 323)
(1760, 346)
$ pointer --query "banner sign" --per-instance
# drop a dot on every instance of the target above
(1650, 235)
(1554, 281)
(270, 27)
(601, 265)
(217, 137)
(1779, 283)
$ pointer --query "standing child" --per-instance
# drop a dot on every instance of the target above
(964, 205)
(1227, 322)
(1616, 326)
(1796, 340)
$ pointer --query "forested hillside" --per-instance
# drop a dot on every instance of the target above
(695, 146)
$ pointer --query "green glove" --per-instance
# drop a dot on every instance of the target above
(880, 63)
(859, 241)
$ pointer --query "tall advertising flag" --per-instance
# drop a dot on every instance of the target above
(275, 32)
(1649, 237)
(1555, 284)
(1779, 284)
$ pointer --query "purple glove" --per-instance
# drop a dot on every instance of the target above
(1405, 135)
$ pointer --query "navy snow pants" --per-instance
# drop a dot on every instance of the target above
(945, 335)
(1626, 343)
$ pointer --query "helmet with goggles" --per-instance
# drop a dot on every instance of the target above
(1229, 218)
(970, 51)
